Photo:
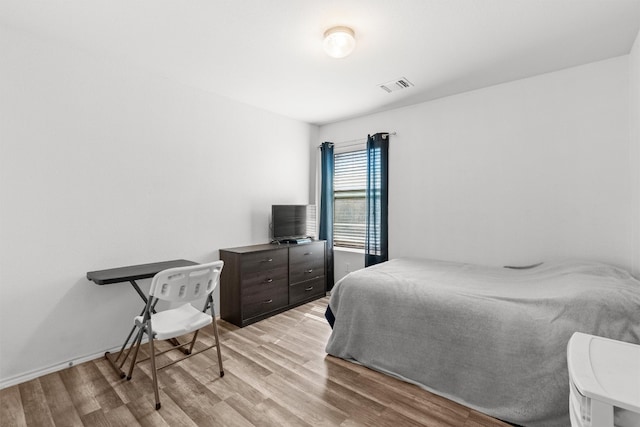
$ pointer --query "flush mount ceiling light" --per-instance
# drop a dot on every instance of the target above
(339, 41)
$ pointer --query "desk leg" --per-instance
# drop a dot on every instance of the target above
(114, 363)
(137, 288)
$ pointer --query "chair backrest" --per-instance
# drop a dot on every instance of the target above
(185, 284)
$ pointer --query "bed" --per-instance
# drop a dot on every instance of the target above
(493, 339)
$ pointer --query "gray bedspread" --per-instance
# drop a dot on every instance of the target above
(493, 339)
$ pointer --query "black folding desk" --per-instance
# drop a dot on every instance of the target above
(131, 274)
(135, 272)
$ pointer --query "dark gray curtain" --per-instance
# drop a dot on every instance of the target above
(326, 206)
(376, 248)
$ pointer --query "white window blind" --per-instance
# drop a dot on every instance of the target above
(350, 182)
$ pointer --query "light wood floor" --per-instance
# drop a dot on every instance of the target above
(276, 374)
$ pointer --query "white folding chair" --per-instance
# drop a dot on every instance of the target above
(178, 285)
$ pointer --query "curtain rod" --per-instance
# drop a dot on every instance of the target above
(356, 141)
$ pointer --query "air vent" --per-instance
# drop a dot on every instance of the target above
(395, 85)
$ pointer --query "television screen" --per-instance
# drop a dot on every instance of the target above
(289, 221)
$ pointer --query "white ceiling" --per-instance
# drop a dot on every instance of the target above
(268, 53)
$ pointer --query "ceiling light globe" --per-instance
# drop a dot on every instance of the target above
(339, 41)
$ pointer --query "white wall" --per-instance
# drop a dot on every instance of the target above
(346, 261)
(512, 174)
(634, 133)
(104, 165)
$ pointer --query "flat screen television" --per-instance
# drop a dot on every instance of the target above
(289, 221)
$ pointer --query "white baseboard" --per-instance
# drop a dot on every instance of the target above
(21, 378)
(27, 376)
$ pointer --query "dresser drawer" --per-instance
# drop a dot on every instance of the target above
(305, 290)
(256, 281)
(264, 260)
(263, 300)
(306, 262)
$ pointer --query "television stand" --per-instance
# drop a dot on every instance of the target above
(259, 281)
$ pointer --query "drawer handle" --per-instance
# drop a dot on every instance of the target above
(268, 281)
(310, 288)
(267, 260)
(309, 271)
(308, 253)
(269, 301)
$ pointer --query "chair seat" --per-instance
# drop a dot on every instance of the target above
(176, 322)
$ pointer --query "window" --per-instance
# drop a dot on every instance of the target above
(350, 184)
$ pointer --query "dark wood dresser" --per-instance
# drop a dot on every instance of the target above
(259, 281)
